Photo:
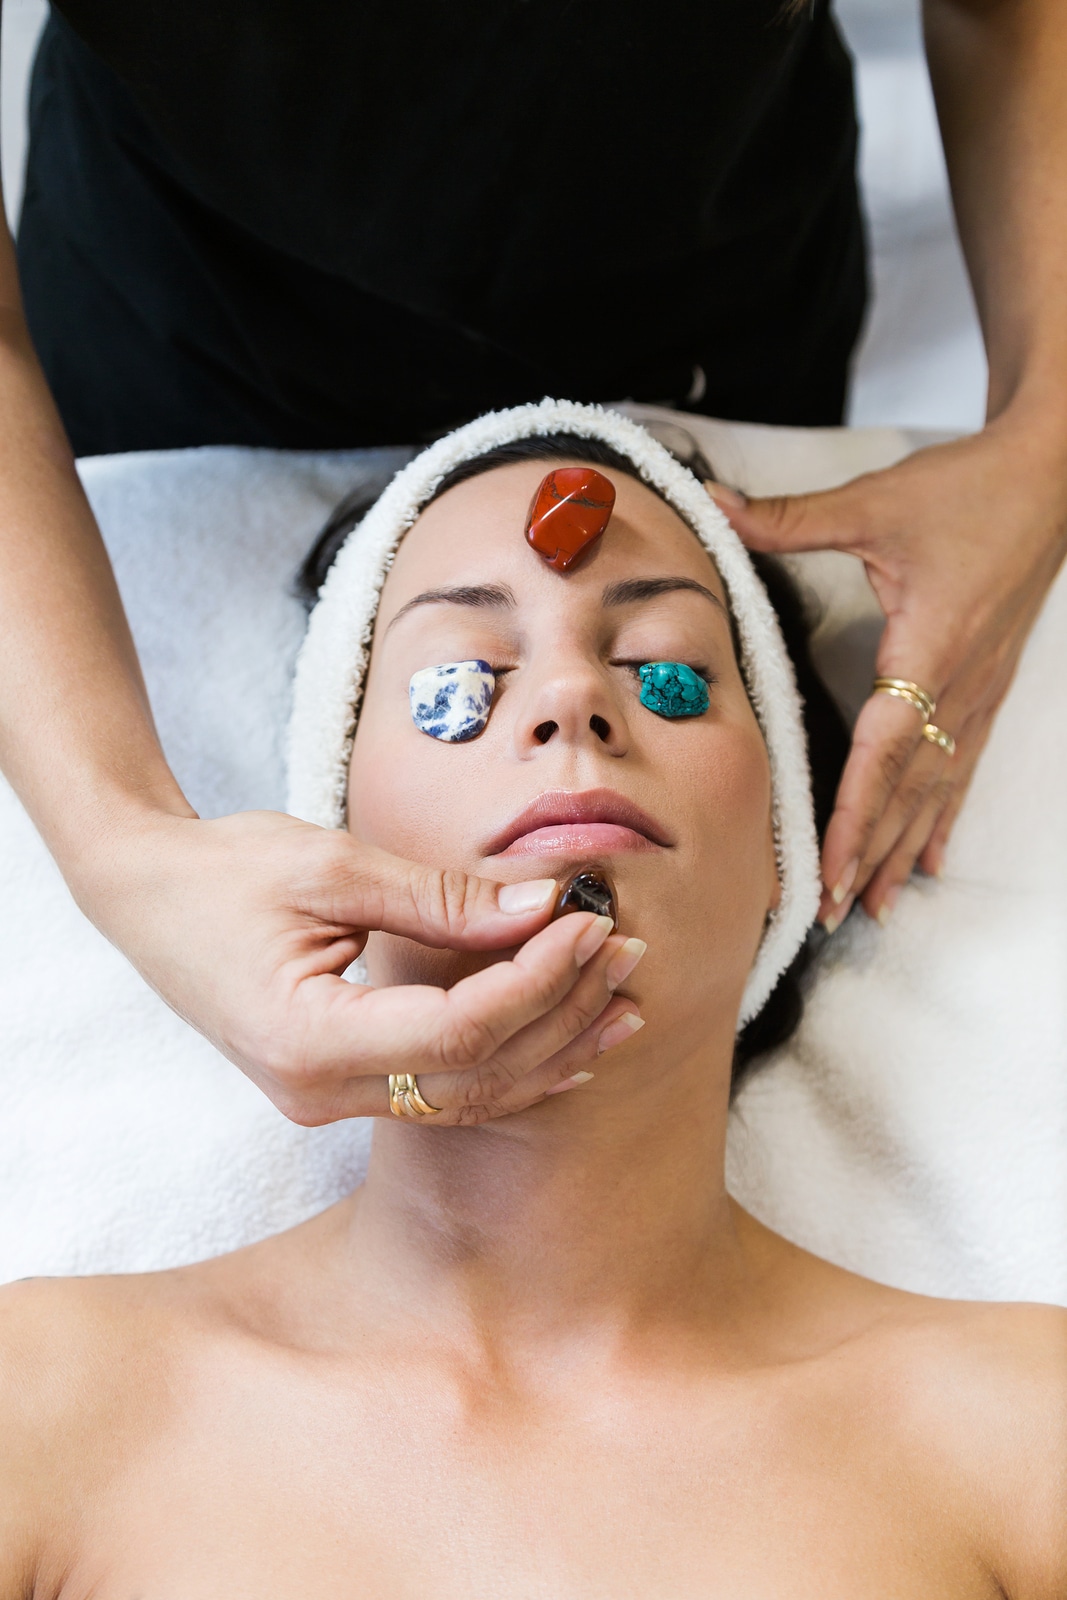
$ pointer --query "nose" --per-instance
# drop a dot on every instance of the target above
(574, 704)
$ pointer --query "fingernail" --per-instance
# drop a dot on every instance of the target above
(518, 898)
(623, 1027)
(889, 900)
(570, 1083)
(836, 918)
(723, 495)
(624, 961)
(592, 939)
(845, 882)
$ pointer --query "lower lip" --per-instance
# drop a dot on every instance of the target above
(593, 838)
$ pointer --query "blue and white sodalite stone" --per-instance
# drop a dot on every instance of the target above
(452, 702)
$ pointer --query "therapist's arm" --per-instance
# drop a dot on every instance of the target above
(962, 541)
(244, 924)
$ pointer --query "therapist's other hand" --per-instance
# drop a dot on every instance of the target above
(244, 926)
(961, 542)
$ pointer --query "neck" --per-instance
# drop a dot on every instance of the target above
(605, 1205)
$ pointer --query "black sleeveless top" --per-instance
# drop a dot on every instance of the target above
(323, 223)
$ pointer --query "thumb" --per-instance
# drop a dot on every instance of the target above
(447, 909)
(789, 522)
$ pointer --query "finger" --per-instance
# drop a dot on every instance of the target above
(932, 859)
(365, 888)
(543, 1039)
(925, 787)
(915, 812)
(618, 1022)
(615, 1025)
(832, 518)
(337, 1031)
(932, 782)
(892, 874)
(887, 735)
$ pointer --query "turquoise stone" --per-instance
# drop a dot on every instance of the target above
(671, 689)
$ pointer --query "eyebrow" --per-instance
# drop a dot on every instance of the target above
(500, 596)
(486, 595)
(633, 589)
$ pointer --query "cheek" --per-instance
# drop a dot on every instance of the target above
(407, 792)
(739, 796)
(734, 878)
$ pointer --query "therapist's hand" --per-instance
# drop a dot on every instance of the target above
(244, 926)
(961, 543)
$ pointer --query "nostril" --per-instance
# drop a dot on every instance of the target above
(599, 727)
(544, 731)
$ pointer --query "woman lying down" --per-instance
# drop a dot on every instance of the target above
(543, 1353)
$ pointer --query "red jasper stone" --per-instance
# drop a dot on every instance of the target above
(569, 512)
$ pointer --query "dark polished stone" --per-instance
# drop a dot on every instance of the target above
(588, 890)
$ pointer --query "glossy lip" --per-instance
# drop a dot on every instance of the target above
(560, 820)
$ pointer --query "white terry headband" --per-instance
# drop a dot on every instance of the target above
(332, 666)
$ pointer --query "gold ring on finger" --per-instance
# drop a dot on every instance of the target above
(405, 1099)
(903, 689)
(938, 736)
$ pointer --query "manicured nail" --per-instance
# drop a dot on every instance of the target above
(592, 939)
(624, 961)
(845, 882)
(519, 898)
(729, 499)
(570, 1083)
(836, 918)
(889, 900)
(616, 1032)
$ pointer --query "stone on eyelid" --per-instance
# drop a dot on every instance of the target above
(567, 515)
(671, 689)
(451, 702)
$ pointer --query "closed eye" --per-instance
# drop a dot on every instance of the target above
(701, 669)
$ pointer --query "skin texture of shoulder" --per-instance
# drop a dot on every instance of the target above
(1002, 1372)
(82, 1370)
(976, 1396)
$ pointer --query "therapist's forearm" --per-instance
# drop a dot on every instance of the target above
(76, 733)
(999, 72)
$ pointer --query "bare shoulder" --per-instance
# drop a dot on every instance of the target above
(82, 1361)
(981, 1391)
(966, 1404)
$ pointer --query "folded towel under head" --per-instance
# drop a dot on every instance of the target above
(332, 666)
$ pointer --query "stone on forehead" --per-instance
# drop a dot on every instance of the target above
(568, 514)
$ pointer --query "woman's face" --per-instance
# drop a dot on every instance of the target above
(572, 770)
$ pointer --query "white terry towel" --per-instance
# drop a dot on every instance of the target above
(915, 1129)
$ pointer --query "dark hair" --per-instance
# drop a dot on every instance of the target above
(827, 733)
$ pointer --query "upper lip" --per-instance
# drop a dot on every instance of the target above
(558, 807)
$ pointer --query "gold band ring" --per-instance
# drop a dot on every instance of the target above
(938, 736)
(924, 704)
(902, 689)
(405, 1099)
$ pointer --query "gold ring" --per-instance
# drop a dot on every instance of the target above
(938, 736)
(405, 1099)
(902, 689)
